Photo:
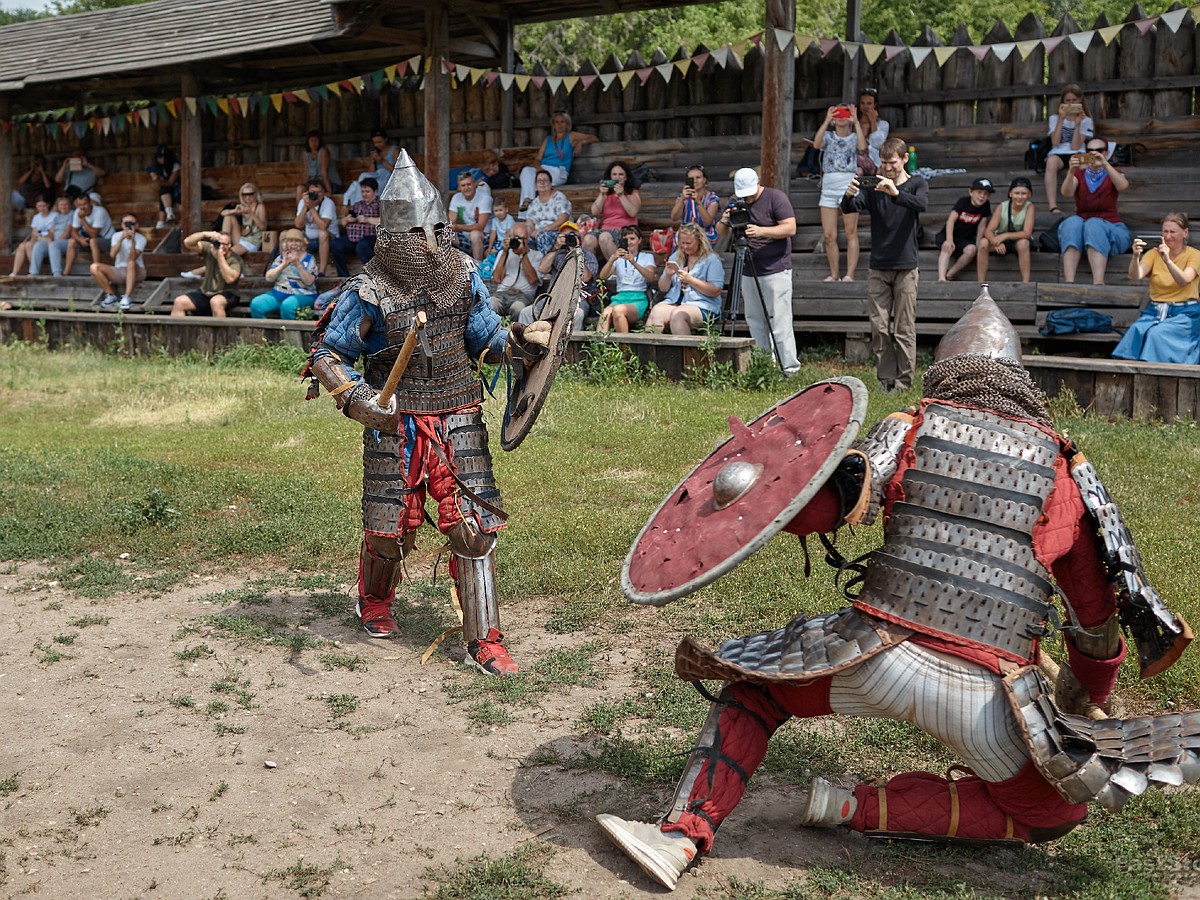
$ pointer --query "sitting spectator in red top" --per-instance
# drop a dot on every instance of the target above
(616, 206)
(358, 226)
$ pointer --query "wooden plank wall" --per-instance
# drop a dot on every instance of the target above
(1134, 77)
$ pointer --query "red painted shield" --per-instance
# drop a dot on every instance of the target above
(744, 492)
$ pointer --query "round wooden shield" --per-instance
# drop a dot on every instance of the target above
(744, 492)
(529, 391)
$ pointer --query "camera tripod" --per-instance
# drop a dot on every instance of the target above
(741, 247)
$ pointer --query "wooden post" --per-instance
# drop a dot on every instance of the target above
(850, 70)
(1031, 71)
(507, 60)
(995, 72)
(779, 91)
(1136, 57)
(1174, 54)
(6, 179)
(191, 145)
(437, 96)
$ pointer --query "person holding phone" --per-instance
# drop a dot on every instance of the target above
(1096, 227)
(634, 268)
(294, 277)
(1069, 130)
(1168, 329)
(839, 162)
(616, 206)
(692, 281)
(77, 173)
(696, 203)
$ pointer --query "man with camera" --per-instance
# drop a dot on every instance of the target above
(128, 267)
(516, 273)
(765, 218)
(222, 270)
(568, 240)
(317, 216)
(895, 201)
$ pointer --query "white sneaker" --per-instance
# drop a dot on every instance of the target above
(662, 855)
(126, 302)
(828, 804)
(189, 276)
(160, 225)
(109, 303)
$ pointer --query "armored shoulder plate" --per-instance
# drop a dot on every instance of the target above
(1159, 634)
(882, 447)
(441, 380)
(957, 560)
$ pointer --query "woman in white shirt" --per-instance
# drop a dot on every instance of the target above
(634, 268)
(1069, 132)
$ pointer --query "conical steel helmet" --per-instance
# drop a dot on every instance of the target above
(983, 330)
(409, 201)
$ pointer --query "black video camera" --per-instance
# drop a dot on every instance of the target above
(739, 214)
(514, 243)
(570, 240)
(313, 195)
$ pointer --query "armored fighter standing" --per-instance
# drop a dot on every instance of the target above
(988, 512)
(430, 436)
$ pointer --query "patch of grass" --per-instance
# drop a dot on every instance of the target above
(88, 621)
(265, 629)
(603, 715)
(217, 708)
(93, 577)
(341, 705)
(222, 729)
(307, 879)
(557, 671)
(191, 654)
(65, 639)
(184, 702)
(485, 713)
(10, 785)
(349, 661)
(233, 685)
(519, 874)
(92, 816)
(53, 606)
(50, 655)
(219, 791)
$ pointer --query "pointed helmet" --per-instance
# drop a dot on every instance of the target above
(983, 330)
(409, 201)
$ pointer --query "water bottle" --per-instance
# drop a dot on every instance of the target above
(911, 166)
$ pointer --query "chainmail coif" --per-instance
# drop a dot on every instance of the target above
(404, 266)
(1001, 385)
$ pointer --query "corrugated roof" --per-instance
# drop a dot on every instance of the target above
(155, 36)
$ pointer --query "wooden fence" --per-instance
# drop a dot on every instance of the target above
(1135, 76)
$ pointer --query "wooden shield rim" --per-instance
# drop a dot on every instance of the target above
(541, 376)
(859, 395)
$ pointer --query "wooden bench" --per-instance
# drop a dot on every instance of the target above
(674, 354)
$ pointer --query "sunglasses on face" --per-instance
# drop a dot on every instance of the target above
(247, 193)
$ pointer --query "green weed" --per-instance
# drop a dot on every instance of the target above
(191, 654)
(10, 785)
(349, 661)
(307, 879)
(92, 816)
(519, 874)
(341, 705)
(88, 621)
(65, 639)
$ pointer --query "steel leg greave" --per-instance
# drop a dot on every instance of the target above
(475, 579)
(705, 750)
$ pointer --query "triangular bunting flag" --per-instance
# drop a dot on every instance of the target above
(211, 104)
(1003, 51)
(64, 127)
(755, 39)
(1172, 20)
(720, 56)
(700, 59)
(827, 44)
(277, 102)
(476, 74)
(82, 127)
(522, 82)
(264, 103)
(588, 80)
(607, 79)
(539, 81)
(400, 70)
(643, 74)
(979, 51)
(490, 78)
(1144, 25)
(919, 55)
(144, 115)
(322, 91)
(872, 52)
(569, 82)
(245, 103)
(943, 54)
(1080, 40)
(1108, 34)
(334, 88)
(177, 104)
(355, 84)
(1026, 47)
(506, 80)
(890, 52)
(461, 72)
(1051, 43)
(851, 49)
(235, 104)
(625, 77)
(154, 113)
(389, 74)
(738, 47)
(682, 65)
(782, 38)
(223, 104)
(804, 41)
(554, 82)
(105, 124)
(665, 70)
(303, 96)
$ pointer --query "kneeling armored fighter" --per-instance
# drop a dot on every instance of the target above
(988, 513)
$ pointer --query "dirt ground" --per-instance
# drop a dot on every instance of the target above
(141, 774)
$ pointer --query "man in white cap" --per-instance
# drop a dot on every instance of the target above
(767, 281)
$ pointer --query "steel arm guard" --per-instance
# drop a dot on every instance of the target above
(354, 398)
(1159, 634)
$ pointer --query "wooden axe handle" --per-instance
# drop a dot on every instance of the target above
(401, 363)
